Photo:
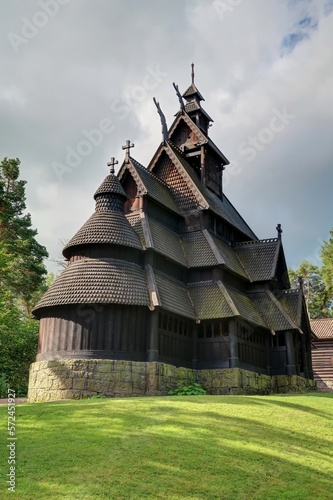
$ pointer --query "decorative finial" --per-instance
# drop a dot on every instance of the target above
(127, 147)
(192, 72)
(181, 102)
(163, 121)
(279, 230)
(111, 164)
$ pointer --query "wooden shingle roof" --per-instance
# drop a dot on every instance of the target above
(174, 295)
(108, 224)
(276, 317)
(259, 257)
(149, 184)
(322, 328)
(97, 281)
(105, 228)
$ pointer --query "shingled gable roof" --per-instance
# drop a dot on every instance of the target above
(202, 138)
(292, 302)
(108, 224)
(186, 174)
(202, 249)
(322, 328)
(220, 207)
(214, 300)
(260, 257)
(192, 90)
(148, 184)
(271, 309)
(97, 281)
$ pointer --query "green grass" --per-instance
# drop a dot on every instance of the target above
(197, 447)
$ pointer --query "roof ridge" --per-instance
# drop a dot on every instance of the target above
(282, 310)
(254, 242)
(217, 254)
(321, 319)
(145, 169)
(192, 186)
(228, 298)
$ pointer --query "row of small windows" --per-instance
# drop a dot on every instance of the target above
(172, 324)
(210, 330)
(250, 335)
(279, 340)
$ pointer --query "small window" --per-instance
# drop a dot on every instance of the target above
(175, 326)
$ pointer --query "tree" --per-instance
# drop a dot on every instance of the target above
(27, 271)
(327, 258)
(22, 281)
(317, 296)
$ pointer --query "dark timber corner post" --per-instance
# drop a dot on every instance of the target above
(152, 352)
(195, 347)
(233, 344)
(304, 356)
(291, 367)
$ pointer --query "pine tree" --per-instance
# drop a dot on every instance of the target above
(27, 271)
(317, 296)
(22, 279)
(327, 258)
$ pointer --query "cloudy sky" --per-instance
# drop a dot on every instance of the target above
(78, 78)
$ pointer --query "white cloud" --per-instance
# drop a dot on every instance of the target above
(91, 55)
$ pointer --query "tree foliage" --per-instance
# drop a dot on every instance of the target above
(317, 295)
(327, 258)
(22, 280)
(27, 270)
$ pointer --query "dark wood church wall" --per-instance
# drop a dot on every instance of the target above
(103, 331)
(213, 344)
(253, 348)
(175, 339)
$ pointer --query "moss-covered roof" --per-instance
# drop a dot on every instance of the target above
(174, 295)
(259, 258)
(275, 315)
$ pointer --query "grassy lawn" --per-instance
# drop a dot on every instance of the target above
(197, 447)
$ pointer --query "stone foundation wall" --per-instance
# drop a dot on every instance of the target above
(325, 385)
(76, 379)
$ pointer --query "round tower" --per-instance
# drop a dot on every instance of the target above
(98, 307)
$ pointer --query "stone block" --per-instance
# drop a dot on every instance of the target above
(103, 367)
(95, 386)
(61, 383)
(79, 384)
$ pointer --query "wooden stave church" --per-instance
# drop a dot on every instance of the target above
(166, 270)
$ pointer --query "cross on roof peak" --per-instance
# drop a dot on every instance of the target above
(127, 148)
(112, 164)
(279, 230)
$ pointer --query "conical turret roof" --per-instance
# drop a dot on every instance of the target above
(108, 225)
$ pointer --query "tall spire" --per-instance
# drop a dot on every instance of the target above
(193, 105)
